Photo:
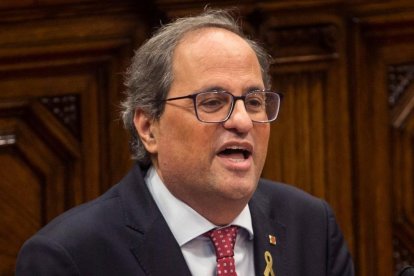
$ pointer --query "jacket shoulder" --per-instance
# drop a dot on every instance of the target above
(286, 194)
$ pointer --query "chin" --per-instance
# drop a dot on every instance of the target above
(242, 189)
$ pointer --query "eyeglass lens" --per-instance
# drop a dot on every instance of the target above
(217, 106)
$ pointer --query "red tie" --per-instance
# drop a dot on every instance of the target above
(223, 240)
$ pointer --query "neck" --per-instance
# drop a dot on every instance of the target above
(218, 213)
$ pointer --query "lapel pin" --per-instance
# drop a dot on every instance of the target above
(269, 264)
(272, 240)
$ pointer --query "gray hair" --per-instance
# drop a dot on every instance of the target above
(149, 77)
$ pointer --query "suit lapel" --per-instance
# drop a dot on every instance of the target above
(267, 255)
(158, 252)
(153, 244)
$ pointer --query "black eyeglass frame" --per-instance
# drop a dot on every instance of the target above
(234, 99)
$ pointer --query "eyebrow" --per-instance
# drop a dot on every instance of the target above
(211, 88)
(219, 88)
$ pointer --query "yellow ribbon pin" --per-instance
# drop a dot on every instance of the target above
(269, 264)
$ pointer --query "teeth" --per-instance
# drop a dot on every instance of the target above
(237, 160)
(236, 148)
(236, 152)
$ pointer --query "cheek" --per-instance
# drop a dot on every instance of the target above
(266, 136)
(184, 138)
(262, 140)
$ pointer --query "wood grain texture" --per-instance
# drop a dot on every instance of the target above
(384, 148)
(61, 142)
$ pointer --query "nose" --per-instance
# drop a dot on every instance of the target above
(239, 119)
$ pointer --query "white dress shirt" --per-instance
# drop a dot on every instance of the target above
(188, 226)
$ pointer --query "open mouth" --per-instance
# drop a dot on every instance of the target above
(235, 153)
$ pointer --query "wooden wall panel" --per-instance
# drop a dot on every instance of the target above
(384, 54)
(307, 148)
(297, 144)
(32, 177)
(61, 140)
(401, 99)
(21, 201)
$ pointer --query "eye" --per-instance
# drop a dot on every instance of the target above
(255, 102)
(211, 102)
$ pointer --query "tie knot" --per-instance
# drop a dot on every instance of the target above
(223, 240)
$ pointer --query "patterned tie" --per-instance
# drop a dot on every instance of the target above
(223, 240)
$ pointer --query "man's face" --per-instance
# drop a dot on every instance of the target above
(210, 163)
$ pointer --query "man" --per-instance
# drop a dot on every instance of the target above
(198, 107)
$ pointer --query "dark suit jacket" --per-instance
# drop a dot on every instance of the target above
(123, 233)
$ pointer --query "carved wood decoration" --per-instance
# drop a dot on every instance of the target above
(400, 77)
(66, 108)
(290, 44)
(60, 85)
(401, 89)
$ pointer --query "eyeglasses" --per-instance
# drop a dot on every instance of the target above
(217, 106)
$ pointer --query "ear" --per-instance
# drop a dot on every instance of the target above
(145, 128)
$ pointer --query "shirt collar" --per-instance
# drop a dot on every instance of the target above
(184, 222)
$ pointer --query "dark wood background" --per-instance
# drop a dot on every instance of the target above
(346, 130)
